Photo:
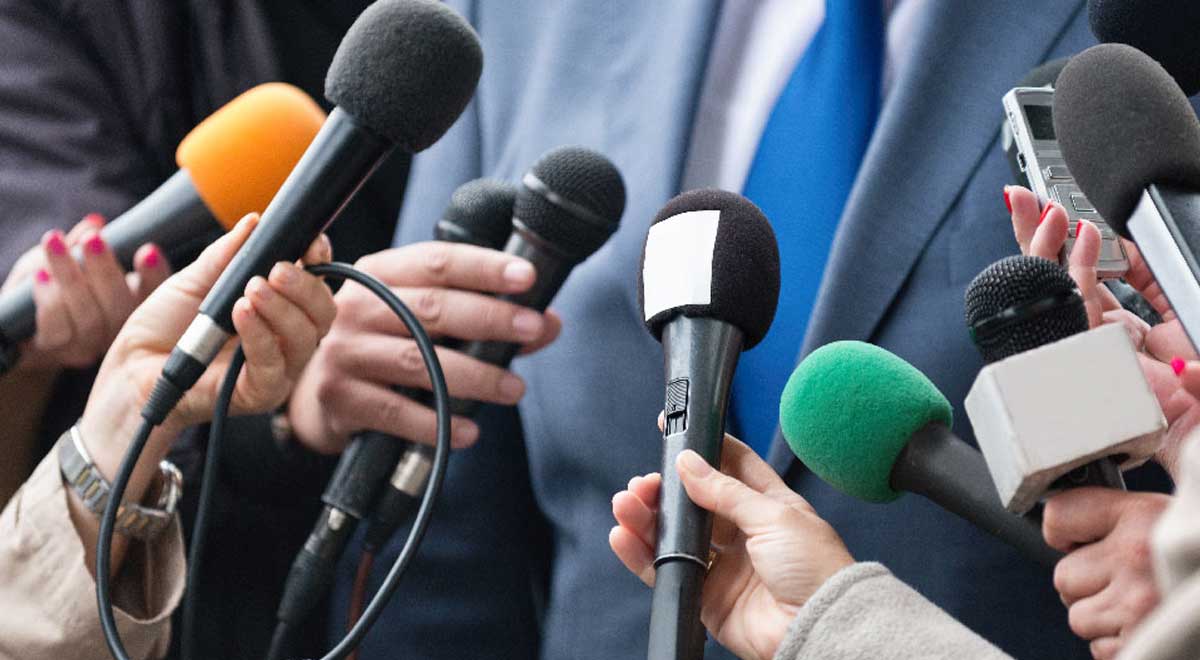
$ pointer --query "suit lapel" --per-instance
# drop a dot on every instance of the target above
(939, 121)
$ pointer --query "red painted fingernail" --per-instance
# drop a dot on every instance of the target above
(1177, 365)
(1007, 201)
(151, 258)
(42, 276)
(55, 243)
(95, 244)
(1045, 212)
(94, 219)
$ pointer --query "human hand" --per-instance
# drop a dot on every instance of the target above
(348, 386)
(81, 305)
(1107, 579)
(774, 551)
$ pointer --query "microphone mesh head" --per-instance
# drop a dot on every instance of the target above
(572, 198)
(239, 156)
(406, 69)
(1011, 284)
(1163, 29)
(1122, 124)
(710, 254)
(480, 213)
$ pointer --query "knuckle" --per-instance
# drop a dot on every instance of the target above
(1078, 621)
(428, 305)
(435, 259)
(1141, 602)
(1062, 579)
(409, 359)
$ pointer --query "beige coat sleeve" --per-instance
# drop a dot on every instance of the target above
(48, 596)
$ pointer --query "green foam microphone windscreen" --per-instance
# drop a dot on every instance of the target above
(850, 408)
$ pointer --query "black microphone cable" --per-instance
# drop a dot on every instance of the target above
(152, 415)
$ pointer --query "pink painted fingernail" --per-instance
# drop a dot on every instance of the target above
(1007, 201)
(151, 258)
(95, 244)
(94, 219)
(55, 243)
(1045, 212)
(1177, 365)
(42, 276)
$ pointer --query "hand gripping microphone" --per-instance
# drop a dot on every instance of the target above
(872, 426)
(1030, 324)
(480, 212)
(230, 164)
(402, 75)
(1163, 29)
(709, 286)
(1132, 140)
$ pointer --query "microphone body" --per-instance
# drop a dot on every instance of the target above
(1165, 224)
(700, 357)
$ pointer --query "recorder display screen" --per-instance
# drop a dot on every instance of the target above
(1041, 121)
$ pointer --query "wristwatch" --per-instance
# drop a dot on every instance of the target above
(133, 520)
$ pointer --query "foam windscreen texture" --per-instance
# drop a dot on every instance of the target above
(406, 69)
(1163, 29)
(581, 205)
(481, 211)
(1044, 74)
(1122, 124)
(1018, 281)
(240, 155)
(744, 289)
(849, 409)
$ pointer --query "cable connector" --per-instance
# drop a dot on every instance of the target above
(163, 399)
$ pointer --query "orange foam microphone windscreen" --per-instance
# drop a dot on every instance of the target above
(241, 154)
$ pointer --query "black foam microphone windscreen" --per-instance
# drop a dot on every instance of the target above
(1163, 29)
(1123, 124)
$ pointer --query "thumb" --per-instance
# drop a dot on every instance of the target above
(202, 274)
(749, 510)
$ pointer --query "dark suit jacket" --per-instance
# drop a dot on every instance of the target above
(925, 215)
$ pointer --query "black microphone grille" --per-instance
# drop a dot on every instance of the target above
(1020, 303)
(406, 69)
(1122, 124)
(710, 254)
(480, 213)
(1163, 29)
(572, 198)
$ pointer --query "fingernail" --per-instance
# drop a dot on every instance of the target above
(527, 324)
(95, 244)
(152, 257)
(518, 272)
(42, 276)
(1045, 212)
(55, 243)
(283, 273)
(1178, 365)
(260, 288)
(692, 462)
(511, 387)
(1007, 201)
(94, 219)
(465, 433)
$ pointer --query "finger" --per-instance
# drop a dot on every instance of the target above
(647, 488)
(462, 315)
(452, 265)
(319, 252)
(1189, 376)
(1095, 617)
(1139, 277)
(398, 361)
(1082, 573)
(1024, 207)
(1106, 648)
(308, 293)
(53, 323)
(88, 329)
(741, 462)
(552, 328)
(633, 553)
(106, 279)
(150, 268)
(1081, 515)
(1135, 327)
(265, 376)
(92, 222)
(374, 407)
(1051, 233)
(1168, 340)
(1081, 263)
(633, 514)
(748, 509)
(296, 333)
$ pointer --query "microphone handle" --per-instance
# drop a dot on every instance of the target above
(941, 467)
(173, 217)
(700, 357)
(1166, 227)
(1102, 472)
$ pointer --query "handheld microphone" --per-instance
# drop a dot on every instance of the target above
(708, 290)
(872, 426)
(1162, 29)
(480, 212)
(1030, 325)
(230, 164)
(1132, 140)
(402, 75)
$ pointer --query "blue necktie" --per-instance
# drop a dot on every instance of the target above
(801, 175)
